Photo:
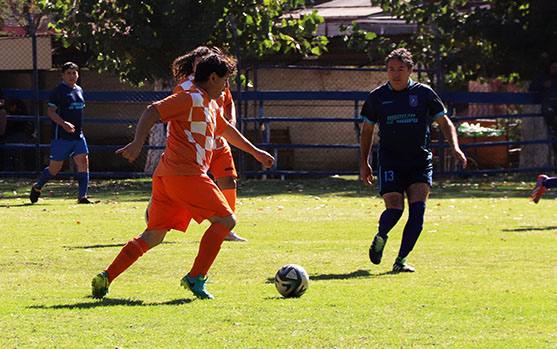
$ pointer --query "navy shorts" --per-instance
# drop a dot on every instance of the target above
(399, 178)
(62, 149)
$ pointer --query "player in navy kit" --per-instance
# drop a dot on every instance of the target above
(403, 110)
(65, 109)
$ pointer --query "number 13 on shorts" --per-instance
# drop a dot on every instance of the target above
(388, 176)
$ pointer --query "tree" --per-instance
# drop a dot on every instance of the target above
(473, 39)
(139, 39)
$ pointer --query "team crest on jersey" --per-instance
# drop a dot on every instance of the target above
(413, 99)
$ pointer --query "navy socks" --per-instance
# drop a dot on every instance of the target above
(83, 182)
(44, 178)
(413, 228)
(388, 220)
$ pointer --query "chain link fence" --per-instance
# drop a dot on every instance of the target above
(308, 134)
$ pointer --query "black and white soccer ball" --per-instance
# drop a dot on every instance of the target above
(292, 280)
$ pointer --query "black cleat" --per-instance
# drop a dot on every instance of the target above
(376, 249)
(84, 200)
(34, 196)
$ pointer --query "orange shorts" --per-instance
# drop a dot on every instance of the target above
(222, 163)
(178, 199)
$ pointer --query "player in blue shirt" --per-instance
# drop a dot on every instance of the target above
(65, 109)
(403, 110)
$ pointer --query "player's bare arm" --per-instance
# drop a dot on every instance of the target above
(366, 173)
(53, 115)
(238, 140)
(230, 113)
(449, 131)
(148, 118)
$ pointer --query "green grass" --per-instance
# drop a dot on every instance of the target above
(486, 270)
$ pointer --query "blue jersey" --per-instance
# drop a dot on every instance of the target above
(69, 104)
(403, 118)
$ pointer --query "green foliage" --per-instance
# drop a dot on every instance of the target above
(140, 39)
(498, 38)
(485, 270)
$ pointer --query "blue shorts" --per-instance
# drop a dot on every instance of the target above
(399, 178)
(62, 149)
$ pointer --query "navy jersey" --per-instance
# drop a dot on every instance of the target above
(403, 118)
(69, 104)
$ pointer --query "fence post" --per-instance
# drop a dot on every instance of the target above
(32, 32)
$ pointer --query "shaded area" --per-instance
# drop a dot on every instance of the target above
(111, 245)
(533, 228)
(355, 274)
(139, 190)
(110, 302)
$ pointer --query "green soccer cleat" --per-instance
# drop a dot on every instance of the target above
(197, 286)
(400, 266)
(376, 249)
(100, 285)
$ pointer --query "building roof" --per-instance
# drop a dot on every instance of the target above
(344, 12)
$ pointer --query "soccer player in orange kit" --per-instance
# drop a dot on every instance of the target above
(222, 166)
(182, 190)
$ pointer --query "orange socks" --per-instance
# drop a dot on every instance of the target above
(134, 249)
(230, 195)
(208, 249)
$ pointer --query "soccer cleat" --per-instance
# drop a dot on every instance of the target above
(100, 285)
(34, 196)
(539, 189)
(400, 266)
(197, 286)
(232, 236)
(376, 249)
(84, 200)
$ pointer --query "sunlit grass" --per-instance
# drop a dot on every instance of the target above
(485, 270)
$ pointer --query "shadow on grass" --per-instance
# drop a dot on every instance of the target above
(111, 245)
(533, 228)
(110, 302)
(355, 274)
(139, 190)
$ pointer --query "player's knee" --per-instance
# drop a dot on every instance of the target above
(225, 183)
(228, 221)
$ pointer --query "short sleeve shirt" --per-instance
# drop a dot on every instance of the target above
(224, 100)
(194, 121)
(69, 104)
(403, 118)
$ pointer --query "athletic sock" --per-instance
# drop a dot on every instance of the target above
(413, 228)
(230, 195)
(550, 182)
(44, 178)
(209, 248)
(83, 183)
(134, 249)
(388, 220)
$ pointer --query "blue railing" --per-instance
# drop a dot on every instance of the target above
(263, 96)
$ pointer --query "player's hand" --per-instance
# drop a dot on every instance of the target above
(68, 127)
(366, 174)
(265, 158)
(130, 151)
(460, 156)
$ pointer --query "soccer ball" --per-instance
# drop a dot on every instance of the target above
(291, 280)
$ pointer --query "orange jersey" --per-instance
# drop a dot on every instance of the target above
(224, 100)
(193, 122)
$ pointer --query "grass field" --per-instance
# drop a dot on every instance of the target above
(486, 270)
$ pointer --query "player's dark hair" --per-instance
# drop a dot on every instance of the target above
(182, 66)
(214, 63)
(69, 65)
(403, 55)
